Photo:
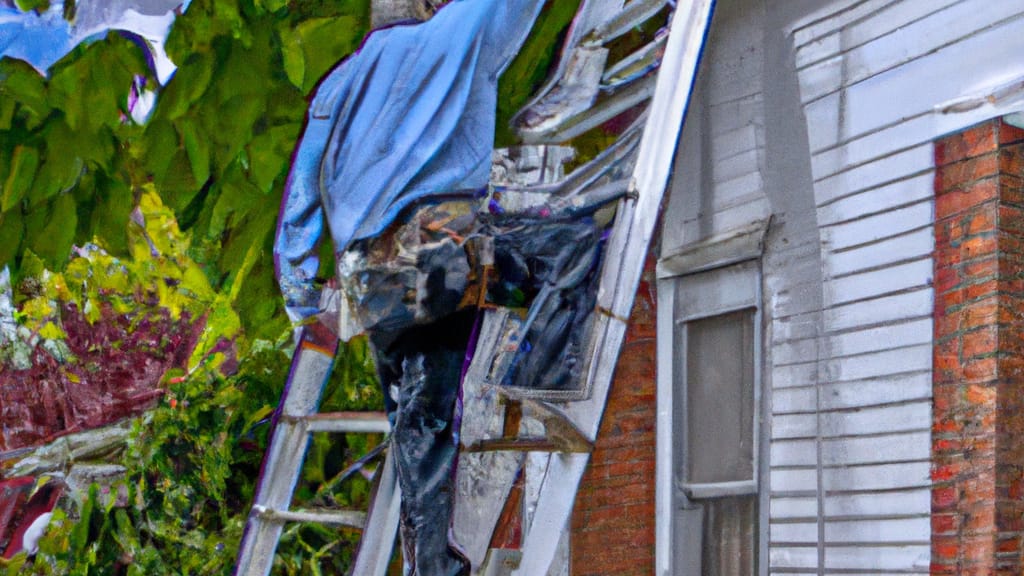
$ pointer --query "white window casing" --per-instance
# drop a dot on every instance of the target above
(715, 287)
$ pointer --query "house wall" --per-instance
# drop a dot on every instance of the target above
(613, 522)
(874, 76)
(823, 116)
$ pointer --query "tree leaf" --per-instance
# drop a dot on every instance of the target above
(293, 55)
(24, 164)
(12, 232)
(50, 233)
(198, 149)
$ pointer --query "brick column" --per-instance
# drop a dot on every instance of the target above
(978, 425)
(613, 521)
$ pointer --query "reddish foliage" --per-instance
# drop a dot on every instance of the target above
(116, 371)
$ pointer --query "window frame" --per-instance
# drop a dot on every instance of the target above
(748, 301)
(679, 520)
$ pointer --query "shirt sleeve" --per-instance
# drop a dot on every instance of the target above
(300, 227)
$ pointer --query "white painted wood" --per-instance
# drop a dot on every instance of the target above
(891, 19)
(793, 480)
(664, 487)
(878, 227)
(787, 328)
(889, 389)
(881, 338)
(794, 507)
(879, 557)
(880, 364)
(869, 450)
(915, 244)
(793, 557)
(943, 28)
(881, 172)
(795, 375)
(864, 148)
(887, 309)
(793, 351)
(878, 503)
(791, 532)
(557, 497)
(880, 531)
(953, 71)
(886, 476)
(877, 420)
(798, 452)
(830, 16)
(741, 164)
(875, 283)
(818, 49)
(794, 426)
(879, 199)
(794, 400)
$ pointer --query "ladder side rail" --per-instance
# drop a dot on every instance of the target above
(628, 246)
(282, 464)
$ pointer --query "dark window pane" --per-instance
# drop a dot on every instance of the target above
(730, 536)
(720, 398)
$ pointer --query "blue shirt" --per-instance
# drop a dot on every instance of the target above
(410, 116)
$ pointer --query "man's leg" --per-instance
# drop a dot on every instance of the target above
(430, 359)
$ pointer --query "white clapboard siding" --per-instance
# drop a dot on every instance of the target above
(793, 507)
(796, 452)
(876, 477)
(879, 22)
(882, 558)
(877, 420)
(880, 311)
(796, 400)
(847, 270)
(904, 387)
(871, 75)
(781, 558)
(877, 200)
(879, 338)
(864, 505)
(912, 245)
(793, 532)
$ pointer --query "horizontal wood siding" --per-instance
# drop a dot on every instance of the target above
(872, 74)
(824, 115)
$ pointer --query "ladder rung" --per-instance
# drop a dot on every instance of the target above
(361, 422)
(526, 445)
(350, 518)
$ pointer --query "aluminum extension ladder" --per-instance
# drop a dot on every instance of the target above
(678, 56)
(295, 419)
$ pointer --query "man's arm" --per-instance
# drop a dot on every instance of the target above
(300, 223)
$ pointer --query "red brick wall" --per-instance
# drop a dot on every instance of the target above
(978, 426)
(613, 522)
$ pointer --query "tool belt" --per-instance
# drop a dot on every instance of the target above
(450, 255)
(415, 272)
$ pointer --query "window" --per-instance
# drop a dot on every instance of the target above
(709, 374)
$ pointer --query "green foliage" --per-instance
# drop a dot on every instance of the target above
(191, 469)
(217, 146)
(192, 462)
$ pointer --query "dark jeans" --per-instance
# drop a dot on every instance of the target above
(425, 364)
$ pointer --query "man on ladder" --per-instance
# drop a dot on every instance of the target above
(395, 153)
